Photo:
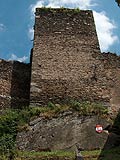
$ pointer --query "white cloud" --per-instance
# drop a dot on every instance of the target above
(39, 3)
(86, 4)
(82, 4)
(14, 57)
(105, 28)
(2, 27)
(31, 33)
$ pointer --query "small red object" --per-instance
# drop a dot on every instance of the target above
(99, 128)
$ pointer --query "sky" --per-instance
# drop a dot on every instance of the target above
(17, 21)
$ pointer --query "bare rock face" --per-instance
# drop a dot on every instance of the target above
(62, 133)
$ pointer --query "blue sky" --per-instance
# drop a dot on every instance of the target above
(17, 20)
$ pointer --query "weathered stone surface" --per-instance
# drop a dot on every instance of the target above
(62, 133)
(14, 84)
(62, 65)
(67, 63)
(5, 83)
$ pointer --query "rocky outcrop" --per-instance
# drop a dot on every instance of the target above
(63, 133)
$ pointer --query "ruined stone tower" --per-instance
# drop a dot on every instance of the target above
(63, 63)
(66, 64)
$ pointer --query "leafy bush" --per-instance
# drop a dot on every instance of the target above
(8, 132)
(10, 122)
(7, 144)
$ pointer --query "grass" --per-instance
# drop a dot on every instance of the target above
(113, 154)
(88, 108)
(13, 121)
(62, 9)
(47, 154)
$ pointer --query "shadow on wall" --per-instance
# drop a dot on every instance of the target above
(20, 85)
(110, 149)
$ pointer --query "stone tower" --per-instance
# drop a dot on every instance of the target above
(66, 62)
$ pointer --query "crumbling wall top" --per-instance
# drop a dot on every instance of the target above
(63, 20)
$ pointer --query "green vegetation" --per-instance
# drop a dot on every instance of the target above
(48, 155)
(77, 10)
(46, 8)
(88, 108)
(62, 9)
(88, 155)
(70, 10)
(8, 131)
(13, 121)
(82, 108)
(113, 154)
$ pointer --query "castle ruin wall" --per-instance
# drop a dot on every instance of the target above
(67, 63)
(14, 84)
(5, 83)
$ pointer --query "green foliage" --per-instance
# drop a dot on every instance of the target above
(113, 154)
(8, 132)
(10, 123)
(75, 105)
(7, 144)
(77, 10)
(46, 8)
(13, 121)
(48, 155)
(88, 108)
(51, 105)
(62, 9)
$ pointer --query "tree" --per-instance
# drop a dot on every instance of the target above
(118, 2)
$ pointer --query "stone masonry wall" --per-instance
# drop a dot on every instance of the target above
(5, 83)
(66, 63)
(14, 84)
(111, 63)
